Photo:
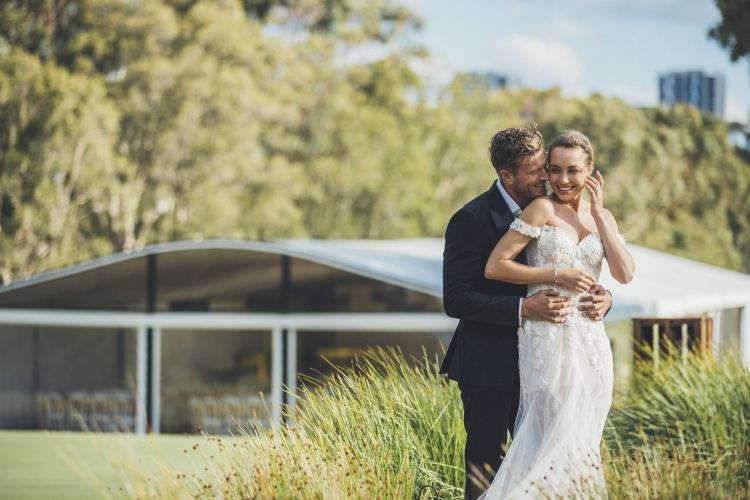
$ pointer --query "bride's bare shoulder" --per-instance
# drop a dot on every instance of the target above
(539, 211)
(542, 204)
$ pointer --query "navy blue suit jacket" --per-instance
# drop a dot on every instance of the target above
(484, 347)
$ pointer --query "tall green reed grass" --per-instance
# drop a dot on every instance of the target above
(391, 429)
(384, 428)
(682, 431)
(698, 399)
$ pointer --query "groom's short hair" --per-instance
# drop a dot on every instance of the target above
(509, 148)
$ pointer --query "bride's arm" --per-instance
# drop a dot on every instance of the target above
(620, 261)
(501, 266)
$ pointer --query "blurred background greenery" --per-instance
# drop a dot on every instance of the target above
(124, 123)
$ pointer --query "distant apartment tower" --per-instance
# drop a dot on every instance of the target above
(487, 81)
(699, 89)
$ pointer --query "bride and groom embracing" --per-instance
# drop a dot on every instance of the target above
(530, 353)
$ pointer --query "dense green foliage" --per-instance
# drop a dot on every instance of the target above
(733, 31)
(124, 123)
(392, 429)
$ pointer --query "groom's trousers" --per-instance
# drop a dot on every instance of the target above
(489, 414)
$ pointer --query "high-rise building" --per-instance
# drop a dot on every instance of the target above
(697, 88)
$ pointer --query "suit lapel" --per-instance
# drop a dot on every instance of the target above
(502, 217)
(499, 211)
(501, 220)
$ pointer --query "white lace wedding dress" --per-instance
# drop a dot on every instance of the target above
(566, 386)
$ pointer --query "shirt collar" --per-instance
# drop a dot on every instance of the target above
(512, 205)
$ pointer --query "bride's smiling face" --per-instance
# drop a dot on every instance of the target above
(567, 172)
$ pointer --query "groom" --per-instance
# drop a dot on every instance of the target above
(483, 354)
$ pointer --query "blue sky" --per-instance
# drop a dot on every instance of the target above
(614, 47)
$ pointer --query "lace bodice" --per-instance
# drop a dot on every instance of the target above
(551, 247)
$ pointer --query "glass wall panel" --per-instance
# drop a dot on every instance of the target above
(120, 286)
(67, 378)
(318, 288)
(730, 324)
(218, 280)
(213, 380)
(341, 348)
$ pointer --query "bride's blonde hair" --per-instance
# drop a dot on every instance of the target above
(573, 139)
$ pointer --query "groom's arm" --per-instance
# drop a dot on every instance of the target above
(463, 271)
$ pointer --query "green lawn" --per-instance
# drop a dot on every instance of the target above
(39, 464)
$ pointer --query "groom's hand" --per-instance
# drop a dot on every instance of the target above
(546, 305)
(596, 303)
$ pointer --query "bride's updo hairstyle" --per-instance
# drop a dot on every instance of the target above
(573, 139)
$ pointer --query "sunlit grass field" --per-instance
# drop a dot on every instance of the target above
(38, 464)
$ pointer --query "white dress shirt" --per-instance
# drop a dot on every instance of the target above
(516, 210)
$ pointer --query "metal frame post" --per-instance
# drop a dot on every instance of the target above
(140, 380)
(655, 344)
(155, 380)
(745, 335)
(291, 371)
(276, 374)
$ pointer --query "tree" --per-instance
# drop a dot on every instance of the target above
(125, 123)
(733, 31)
(350, 21)
(56, 149)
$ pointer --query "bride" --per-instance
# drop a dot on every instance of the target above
(565, 367)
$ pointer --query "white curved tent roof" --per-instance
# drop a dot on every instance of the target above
(664, 284)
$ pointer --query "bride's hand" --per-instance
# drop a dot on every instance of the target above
(575, 279)
(595, 185)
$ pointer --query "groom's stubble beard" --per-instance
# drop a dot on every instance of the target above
(528, 182)
(522, 196)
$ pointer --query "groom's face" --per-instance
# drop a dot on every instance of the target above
(529, 180)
